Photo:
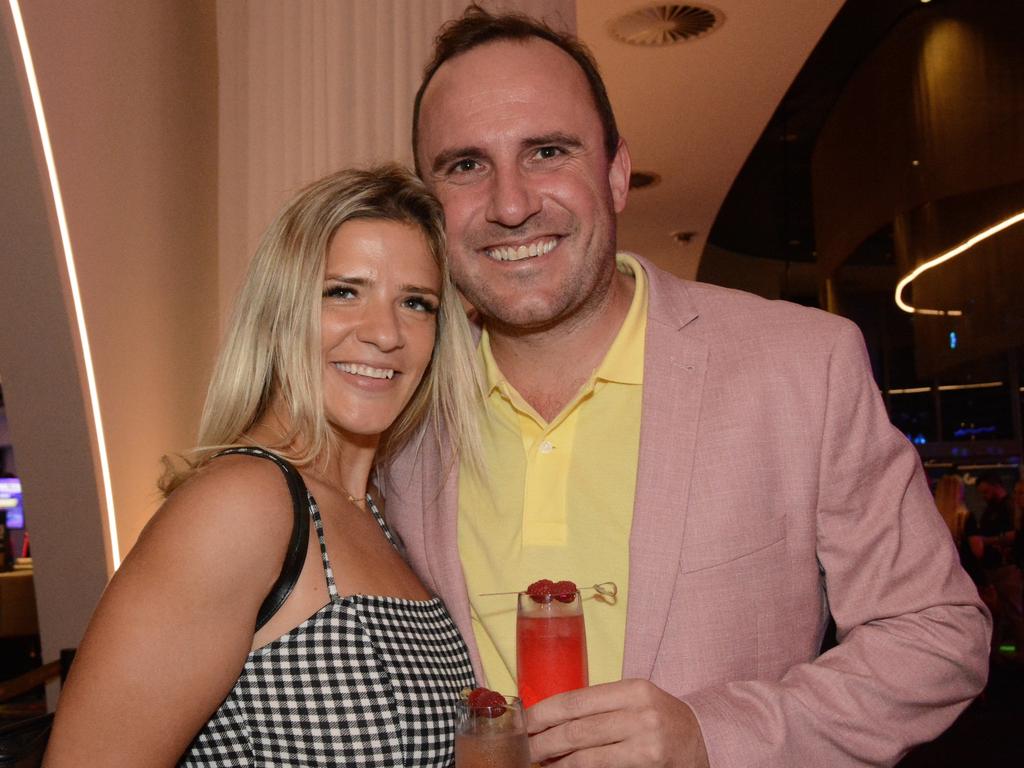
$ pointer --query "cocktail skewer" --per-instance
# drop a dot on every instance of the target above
(606, 588)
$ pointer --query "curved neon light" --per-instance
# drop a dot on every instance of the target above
(58, 203)
(943, 258)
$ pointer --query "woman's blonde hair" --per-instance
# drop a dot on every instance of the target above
(272, 350)
(949, 499)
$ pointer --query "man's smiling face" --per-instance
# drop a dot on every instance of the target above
(511, 143)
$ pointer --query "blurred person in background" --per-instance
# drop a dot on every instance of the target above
(1018, 514)
(949, 500)
(992, 541)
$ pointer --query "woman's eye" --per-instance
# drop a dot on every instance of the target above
(338, 292)
(421, 304)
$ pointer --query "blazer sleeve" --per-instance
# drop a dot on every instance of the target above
(913, 634)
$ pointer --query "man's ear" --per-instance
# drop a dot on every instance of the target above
(618, 175)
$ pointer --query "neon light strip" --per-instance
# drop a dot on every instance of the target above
(982, 385)
(943, 258)
(58, 202)
(948, 388)
(910, 391)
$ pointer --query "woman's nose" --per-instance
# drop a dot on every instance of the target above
(380, 326)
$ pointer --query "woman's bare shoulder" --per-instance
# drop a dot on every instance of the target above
(233, 491)
(233, 515)
(175, 625)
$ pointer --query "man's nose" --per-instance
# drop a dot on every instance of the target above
(381, 327)
(512, 199)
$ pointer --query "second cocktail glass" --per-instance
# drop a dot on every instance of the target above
(491, 736)
(551, 646)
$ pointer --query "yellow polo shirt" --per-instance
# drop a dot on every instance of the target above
(557, 502)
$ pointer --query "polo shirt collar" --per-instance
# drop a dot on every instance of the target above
(624, 362)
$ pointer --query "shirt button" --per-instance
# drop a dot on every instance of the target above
(546, 447)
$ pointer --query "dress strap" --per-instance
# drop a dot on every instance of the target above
(332, 589)
(295, 556)
(388, 533)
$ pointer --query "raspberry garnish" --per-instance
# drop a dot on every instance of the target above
(486, 703)
(544, 590)
(541, 591)
(564, 591)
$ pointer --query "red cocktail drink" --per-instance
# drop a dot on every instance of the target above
(551, 647)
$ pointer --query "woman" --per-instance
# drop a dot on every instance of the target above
(949, 498)
(1018, 507)
(347, 337)
(1018, 524)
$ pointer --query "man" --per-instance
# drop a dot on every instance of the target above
(992, 543)
(724, 459)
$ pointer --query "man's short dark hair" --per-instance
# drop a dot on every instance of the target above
(477, 26)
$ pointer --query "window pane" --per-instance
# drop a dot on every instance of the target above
(913, 416)
(976, 414)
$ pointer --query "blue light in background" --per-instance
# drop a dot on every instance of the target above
(952, 340)
(973, 431)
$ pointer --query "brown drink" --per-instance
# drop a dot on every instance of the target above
(491, 735)
(492, 750)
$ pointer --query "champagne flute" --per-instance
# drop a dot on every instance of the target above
(491, 736)
(551, 645)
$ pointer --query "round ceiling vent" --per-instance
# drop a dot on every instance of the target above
(665, 24)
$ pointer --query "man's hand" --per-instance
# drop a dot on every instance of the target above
(623, 724)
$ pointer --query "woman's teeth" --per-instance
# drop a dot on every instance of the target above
(365, 370)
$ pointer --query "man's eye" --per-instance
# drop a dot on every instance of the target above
(465, 166)
(547, 153)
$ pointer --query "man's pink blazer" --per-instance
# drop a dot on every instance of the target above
(771, 489)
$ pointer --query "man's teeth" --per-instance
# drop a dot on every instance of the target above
(512, 253)
(364, 370)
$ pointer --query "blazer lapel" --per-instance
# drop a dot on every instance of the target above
(674, 371)
(441, 543)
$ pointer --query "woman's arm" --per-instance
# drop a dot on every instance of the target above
(175, 624)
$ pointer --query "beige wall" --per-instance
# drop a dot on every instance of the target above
(130, 92)
(308, 87)
(130, 95)
(44, 383)
(131, 98)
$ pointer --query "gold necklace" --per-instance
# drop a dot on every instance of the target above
(356, 502)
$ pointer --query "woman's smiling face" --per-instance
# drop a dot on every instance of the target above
(378, 322)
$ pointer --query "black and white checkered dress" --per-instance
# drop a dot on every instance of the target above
(366, 680)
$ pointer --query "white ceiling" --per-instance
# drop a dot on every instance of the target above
(692, 111)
